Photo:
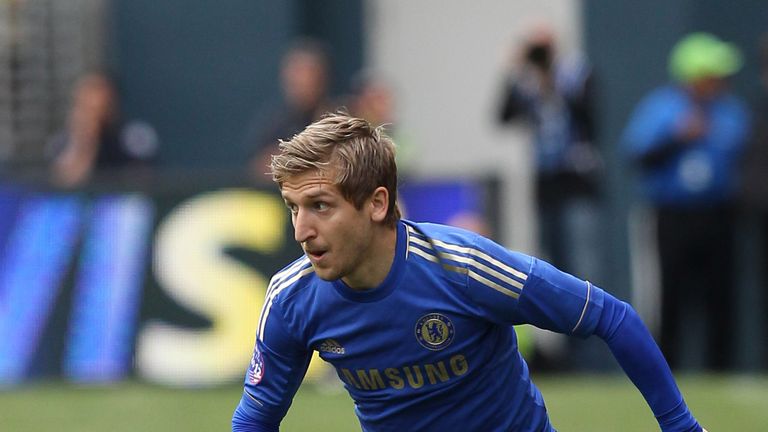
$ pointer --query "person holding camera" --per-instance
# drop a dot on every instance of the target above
(555, 96)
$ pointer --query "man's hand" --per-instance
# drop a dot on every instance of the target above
(693, 126)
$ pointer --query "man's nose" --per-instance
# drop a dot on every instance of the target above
(303, 228)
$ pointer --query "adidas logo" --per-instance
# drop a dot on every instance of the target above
(331, 346)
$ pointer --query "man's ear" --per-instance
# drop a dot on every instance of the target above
(379, 203)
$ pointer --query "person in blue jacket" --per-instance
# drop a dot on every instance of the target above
(417, 318)
(687, 138)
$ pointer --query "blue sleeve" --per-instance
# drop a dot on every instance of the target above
(557, 301)
(246, 417)
(277, 368)
(635, 350)
(509, 287)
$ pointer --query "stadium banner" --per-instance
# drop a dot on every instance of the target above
(165, 285)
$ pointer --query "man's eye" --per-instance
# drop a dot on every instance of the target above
(321, 206)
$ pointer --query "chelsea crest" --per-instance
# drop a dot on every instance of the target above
(434, 331)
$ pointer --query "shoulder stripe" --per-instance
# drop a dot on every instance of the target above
(486, 269)
(468, 251)
(407, 239)
(508, 281)
(416, 233)
(483, 255)
(288, 271)
(474, 263)
(286, 274)
(420, 242)
(467, 271)
(494, 285)
(430, 256)
(274, 291)
(424, 254)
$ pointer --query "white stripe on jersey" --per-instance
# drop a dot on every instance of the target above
(480, 254)
(473, 262)
(286, 273)
(424, 254)
(584, 311)
(407, 241)
(468, 271)
(276, 288)
(494, 285)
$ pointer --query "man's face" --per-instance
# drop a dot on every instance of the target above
(304, 80)
(335, 235)
(708, 88)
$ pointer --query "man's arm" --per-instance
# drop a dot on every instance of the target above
(558, 301)
(246, 417)
(276, 370)
(513, 105)
(554, 300)
(658, 130)
(690, 129)
(635, 350)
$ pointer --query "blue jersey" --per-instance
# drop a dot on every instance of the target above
(430, 349)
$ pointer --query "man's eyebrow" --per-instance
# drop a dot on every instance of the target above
(311, 195)
(317, 193)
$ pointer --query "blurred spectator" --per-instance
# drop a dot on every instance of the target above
(555, 94)
(373, 99)
(95, 139)
(755, 190)
(687, 138)
(304, 74)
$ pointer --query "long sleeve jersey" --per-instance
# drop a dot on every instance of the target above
(432, 348)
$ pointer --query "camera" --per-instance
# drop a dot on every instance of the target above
(540, 55)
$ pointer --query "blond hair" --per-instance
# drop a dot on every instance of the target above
(360, 156)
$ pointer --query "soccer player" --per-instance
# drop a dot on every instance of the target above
(415, 317)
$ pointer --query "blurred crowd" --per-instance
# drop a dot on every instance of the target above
(699, 154)
(96, 139)
(304, 80)
(698, 151)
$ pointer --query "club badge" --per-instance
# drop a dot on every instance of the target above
(434, 331)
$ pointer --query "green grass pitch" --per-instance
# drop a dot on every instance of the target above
(575, 402)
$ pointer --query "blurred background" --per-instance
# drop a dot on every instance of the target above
(623, 141)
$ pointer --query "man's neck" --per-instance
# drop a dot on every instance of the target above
(379, 259)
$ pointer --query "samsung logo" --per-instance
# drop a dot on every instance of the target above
(413, 376)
